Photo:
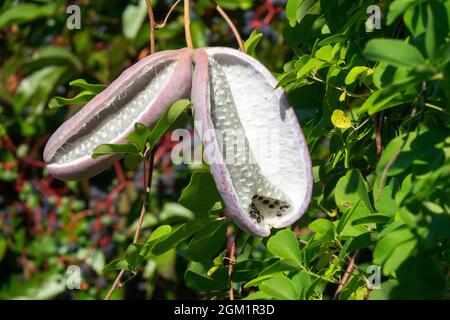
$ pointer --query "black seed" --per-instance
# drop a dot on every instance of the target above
(271, 206)
(266, 201)
(277, 202)
(260, 198)
(279, 214)
(254, 197)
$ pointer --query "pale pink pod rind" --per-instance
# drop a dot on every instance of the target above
(201, 100)
(178, 86)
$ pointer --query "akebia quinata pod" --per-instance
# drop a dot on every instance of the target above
(252, 138)
(140, 94)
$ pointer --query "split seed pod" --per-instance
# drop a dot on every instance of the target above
(140, 94)
(254, 143)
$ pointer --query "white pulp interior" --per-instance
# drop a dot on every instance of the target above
(272, 170)
(117, 122)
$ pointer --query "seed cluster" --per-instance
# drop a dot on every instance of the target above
(117, 121)
(246, 175)
(268, 206)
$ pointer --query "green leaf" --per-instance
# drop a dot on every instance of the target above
(395, 52)
(335, 38)
(386, 202)
(362, 241)
(105, 149)
(252, 42)
(35, 89)
(280, 288)
(280, 266)
(306, 7)
(345, 228)
(321, 226)
(196, 277)
(385, 291)
(139, 136)
(375, 218)
(132, 161)
(430, 33)
(402, 252)
(257, 295)
(201, 194)
(94, 88)
(312, 64)
(3, 247)
(325, 53)
(25, 12)
(178, 234)
(352, 198)
(420, 277)
(284, 244)
(302, 281)
(158, 233)
(132, 18)
(351, 189)
(397, 8)
(389, 97)
(174, 212)
(355, 74)
(291, 11)
(118, 264)
(415, 19)
(167, 119)
(81, 98)
(133, 255)
(257, 281)
(52, 55)
(199, 33)
(90, 91)
(387, 244)
(246, 270)
(208, 240)
(403, 154)
(233, 4)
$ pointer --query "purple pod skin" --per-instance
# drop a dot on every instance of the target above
(232, 92)
(141, 93)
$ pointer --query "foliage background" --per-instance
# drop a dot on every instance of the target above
(375, 113)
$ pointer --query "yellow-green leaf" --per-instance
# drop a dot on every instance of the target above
(340, 120)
